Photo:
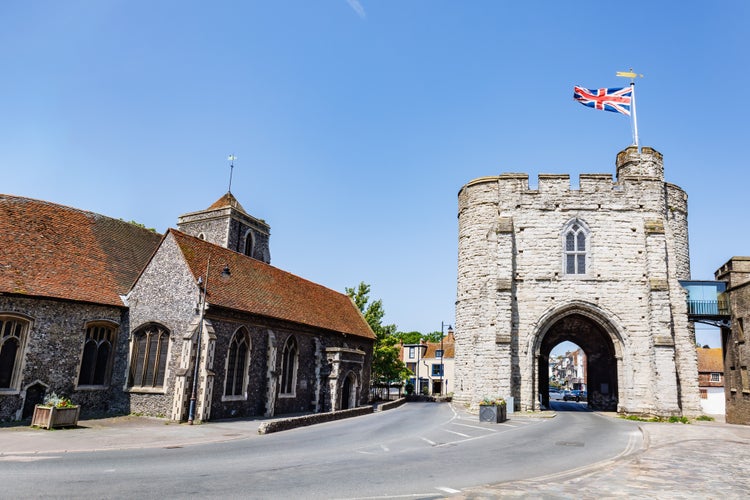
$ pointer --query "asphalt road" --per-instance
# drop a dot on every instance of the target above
(419, 450)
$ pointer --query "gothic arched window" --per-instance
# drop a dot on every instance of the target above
(148, 357)
(248, 250)
(98, 348)
(12, 339)
(575, 247)
(237, 364)
(289, 367)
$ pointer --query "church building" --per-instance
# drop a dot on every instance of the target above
(124, 320)
(598, 266)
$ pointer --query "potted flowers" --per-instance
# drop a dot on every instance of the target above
(492, 410)
(56, 411)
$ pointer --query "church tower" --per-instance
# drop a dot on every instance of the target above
(227, 224)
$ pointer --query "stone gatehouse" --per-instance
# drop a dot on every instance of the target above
(598, 266)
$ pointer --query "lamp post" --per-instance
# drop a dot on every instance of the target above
(442, 354)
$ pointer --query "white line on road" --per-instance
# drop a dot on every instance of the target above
(384, 447)
(432, 443)
(457, 433)
(447, 490)
(477, 427)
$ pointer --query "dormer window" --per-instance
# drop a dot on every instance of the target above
(575, 247)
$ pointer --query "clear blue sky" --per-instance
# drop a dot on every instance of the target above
(355, 123)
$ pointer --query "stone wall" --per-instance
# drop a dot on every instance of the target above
(52, 351)
(734, 340)
(165, 294)
(512, 283)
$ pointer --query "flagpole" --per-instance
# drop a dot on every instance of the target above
(635, 120)
(632, 76)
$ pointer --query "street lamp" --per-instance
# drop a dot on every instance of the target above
(442, 354)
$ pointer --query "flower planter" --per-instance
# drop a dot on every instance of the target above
(50, 417)
(493, 413)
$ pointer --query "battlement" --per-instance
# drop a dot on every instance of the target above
(648, 163)
(632, 166)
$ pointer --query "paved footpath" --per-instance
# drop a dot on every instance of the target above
(701, 460)
(677, 461)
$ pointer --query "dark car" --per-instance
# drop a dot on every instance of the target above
(575, 395)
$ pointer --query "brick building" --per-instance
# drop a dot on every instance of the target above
(110, 314)
(598, 266)
(736, 272)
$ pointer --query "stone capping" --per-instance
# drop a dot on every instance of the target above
(504, 285)
(658, 284)
(653, 226)
(663, 341)
(502, 338)
(504, 225)
(346, 350)
(283, 424)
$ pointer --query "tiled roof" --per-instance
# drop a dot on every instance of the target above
(262, 289)
(228, 200)
(448, 348)
(55, 251)
(710, 360)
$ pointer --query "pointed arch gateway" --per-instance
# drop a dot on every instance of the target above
(588, 327)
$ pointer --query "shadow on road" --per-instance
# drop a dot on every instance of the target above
(569, 406)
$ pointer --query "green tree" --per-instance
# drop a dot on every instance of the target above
(387, 368)
(417, 337)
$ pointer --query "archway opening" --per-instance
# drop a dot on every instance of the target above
(599, 367)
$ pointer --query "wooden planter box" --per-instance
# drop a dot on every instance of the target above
(50, 417)
(493, 413)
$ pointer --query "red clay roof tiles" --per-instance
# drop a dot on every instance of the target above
(50, 250)
(710, 360)
(262, 289)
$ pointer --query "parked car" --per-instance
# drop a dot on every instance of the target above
(575, 395)
(555, 395)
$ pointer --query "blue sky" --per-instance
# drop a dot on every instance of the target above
(355, 123)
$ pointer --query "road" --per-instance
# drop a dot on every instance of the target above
(420, 449)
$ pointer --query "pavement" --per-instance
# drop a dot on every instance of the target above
(675, 461)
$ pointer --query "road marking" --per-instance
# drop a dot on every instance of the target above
(477, 427)
(23, 458)
(447, 490)
(457, 433)
(432, 443)
(384, 447)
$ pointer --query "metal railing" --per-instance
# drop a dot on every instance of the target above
(708, 307)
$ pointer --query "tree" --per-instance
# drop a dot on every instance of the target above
(387, 367)
(416, 337)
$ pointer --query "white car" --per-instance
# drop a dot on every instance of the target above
(555, 395)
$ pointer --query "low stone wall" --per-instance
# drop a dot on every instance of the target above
(391, 404)
(284, 424)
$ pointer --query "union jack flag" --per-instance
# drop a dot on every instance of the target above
(615, 100)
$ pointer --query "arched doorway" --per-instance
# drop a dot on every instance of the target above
(597, 342)
(347, 393)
